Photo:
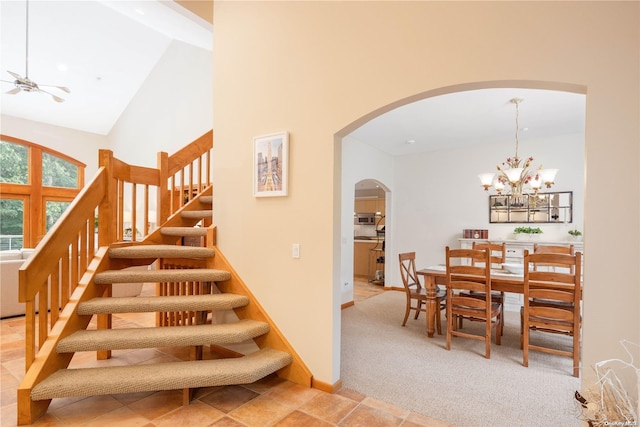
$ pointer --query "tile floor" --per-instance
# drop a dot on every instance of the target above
(268, 402)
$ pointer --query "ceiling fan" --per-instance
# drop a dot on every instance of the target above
(24, 83)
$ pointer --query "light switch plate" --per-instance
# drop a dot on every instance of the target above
(295, 250)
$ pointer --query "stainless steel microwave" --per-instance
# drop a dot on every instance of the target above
(365, 219)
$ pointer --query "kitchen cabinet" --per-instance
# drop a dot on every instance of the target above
(369, 205)
(361, 254)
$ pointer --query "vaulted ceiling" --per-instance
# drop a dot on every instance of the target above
(101, 50)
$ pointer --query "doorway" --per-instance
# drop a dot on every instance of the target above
(369, 238)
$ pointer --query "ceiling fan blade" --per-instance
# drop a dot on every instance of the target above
(13, 91)
(55, 98)
(15, 75)
(62, 88)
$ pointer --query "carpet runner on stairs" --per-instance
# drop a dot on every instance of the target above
(161, 376)
(171, 375)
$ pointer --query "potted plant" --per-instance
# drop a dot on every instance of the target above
(575, 234)
(527, 232)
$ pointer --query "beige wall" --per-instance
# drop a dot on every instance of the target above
(314, 68)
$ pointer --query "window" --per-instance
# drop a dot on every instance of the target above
(55, 209)
(11, 223)
(13, 163)
(57, 172)
(33, 178)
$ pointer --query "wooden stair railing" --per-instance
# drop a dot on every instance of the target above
(66, 261)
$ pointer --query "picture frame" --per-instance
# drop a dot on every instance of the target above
(271, 165)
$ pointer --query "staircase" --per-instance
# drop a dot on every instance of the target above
(193, 283)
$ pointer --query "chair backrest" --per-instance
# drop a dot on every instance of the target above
(408, 271)
(497, 253)
(553, 285)
(552, 249)
(464, 271)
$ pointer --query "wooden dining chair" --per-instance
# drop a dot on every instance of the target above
(560, 314)
(462, 277)
(415, 292)
(497, 255)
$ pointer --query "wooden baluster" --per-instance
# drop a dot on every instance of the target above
(55, 293)
(43, 306)
(66, 285)
(134, 219)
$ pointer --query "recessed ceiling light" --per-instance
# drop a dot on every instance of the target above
(139, 11)
(410, 141)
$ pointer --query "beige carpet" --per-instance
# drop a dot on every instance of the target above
(402, 366)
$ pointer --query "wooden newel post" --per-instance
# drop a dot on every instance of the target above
(106, 209)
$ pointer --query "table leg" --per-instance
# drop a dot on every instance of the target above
(432, 304)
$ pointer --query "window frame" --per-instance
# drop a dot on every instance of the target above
(36, 194)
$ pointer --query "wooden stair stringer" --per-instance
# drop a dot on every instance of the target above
(297, 371)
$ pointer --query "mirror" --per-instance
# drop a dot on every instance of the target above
(542, 207)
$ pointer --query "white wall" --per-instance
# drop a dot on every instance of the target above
(437, 195)
(433, 196)
(82, 146)
(173, 107)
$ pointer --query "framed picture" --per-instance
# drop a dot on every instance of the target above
(270, 165)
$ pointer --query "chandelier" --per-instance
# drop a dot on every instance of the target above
(515, 172)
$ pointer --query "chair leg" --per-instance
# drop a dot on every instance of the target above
(438, 320)
(451, 322)
(487, 339)
(576, 352)
(521, 327)
(406, 313)
(525, 347)
(418, 308)
(502, 312)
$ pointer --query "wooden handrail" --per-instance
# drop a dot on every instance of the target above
(56, 243)
(61, 258)
(58, 262)
(60, 273)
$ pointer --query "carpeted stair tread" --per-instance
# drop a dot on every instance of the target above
(160, 251)
(160, 376)
(206, 199)
(183, 231)
(213, 302)
(167, 336)
(198, 214)
(153, 276)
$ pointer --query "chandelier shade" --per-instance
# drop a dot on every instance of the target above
(515, 173)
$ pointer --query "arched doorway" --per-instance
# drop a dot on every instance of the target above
(369, 238)
(426, 196)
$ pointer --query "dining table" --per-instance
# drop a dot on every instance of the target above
(501, 280)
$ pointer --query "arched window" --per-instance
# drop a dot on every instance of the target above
(37, 184)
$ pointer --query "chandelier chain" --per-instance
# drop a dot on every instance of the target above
(517, 102)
